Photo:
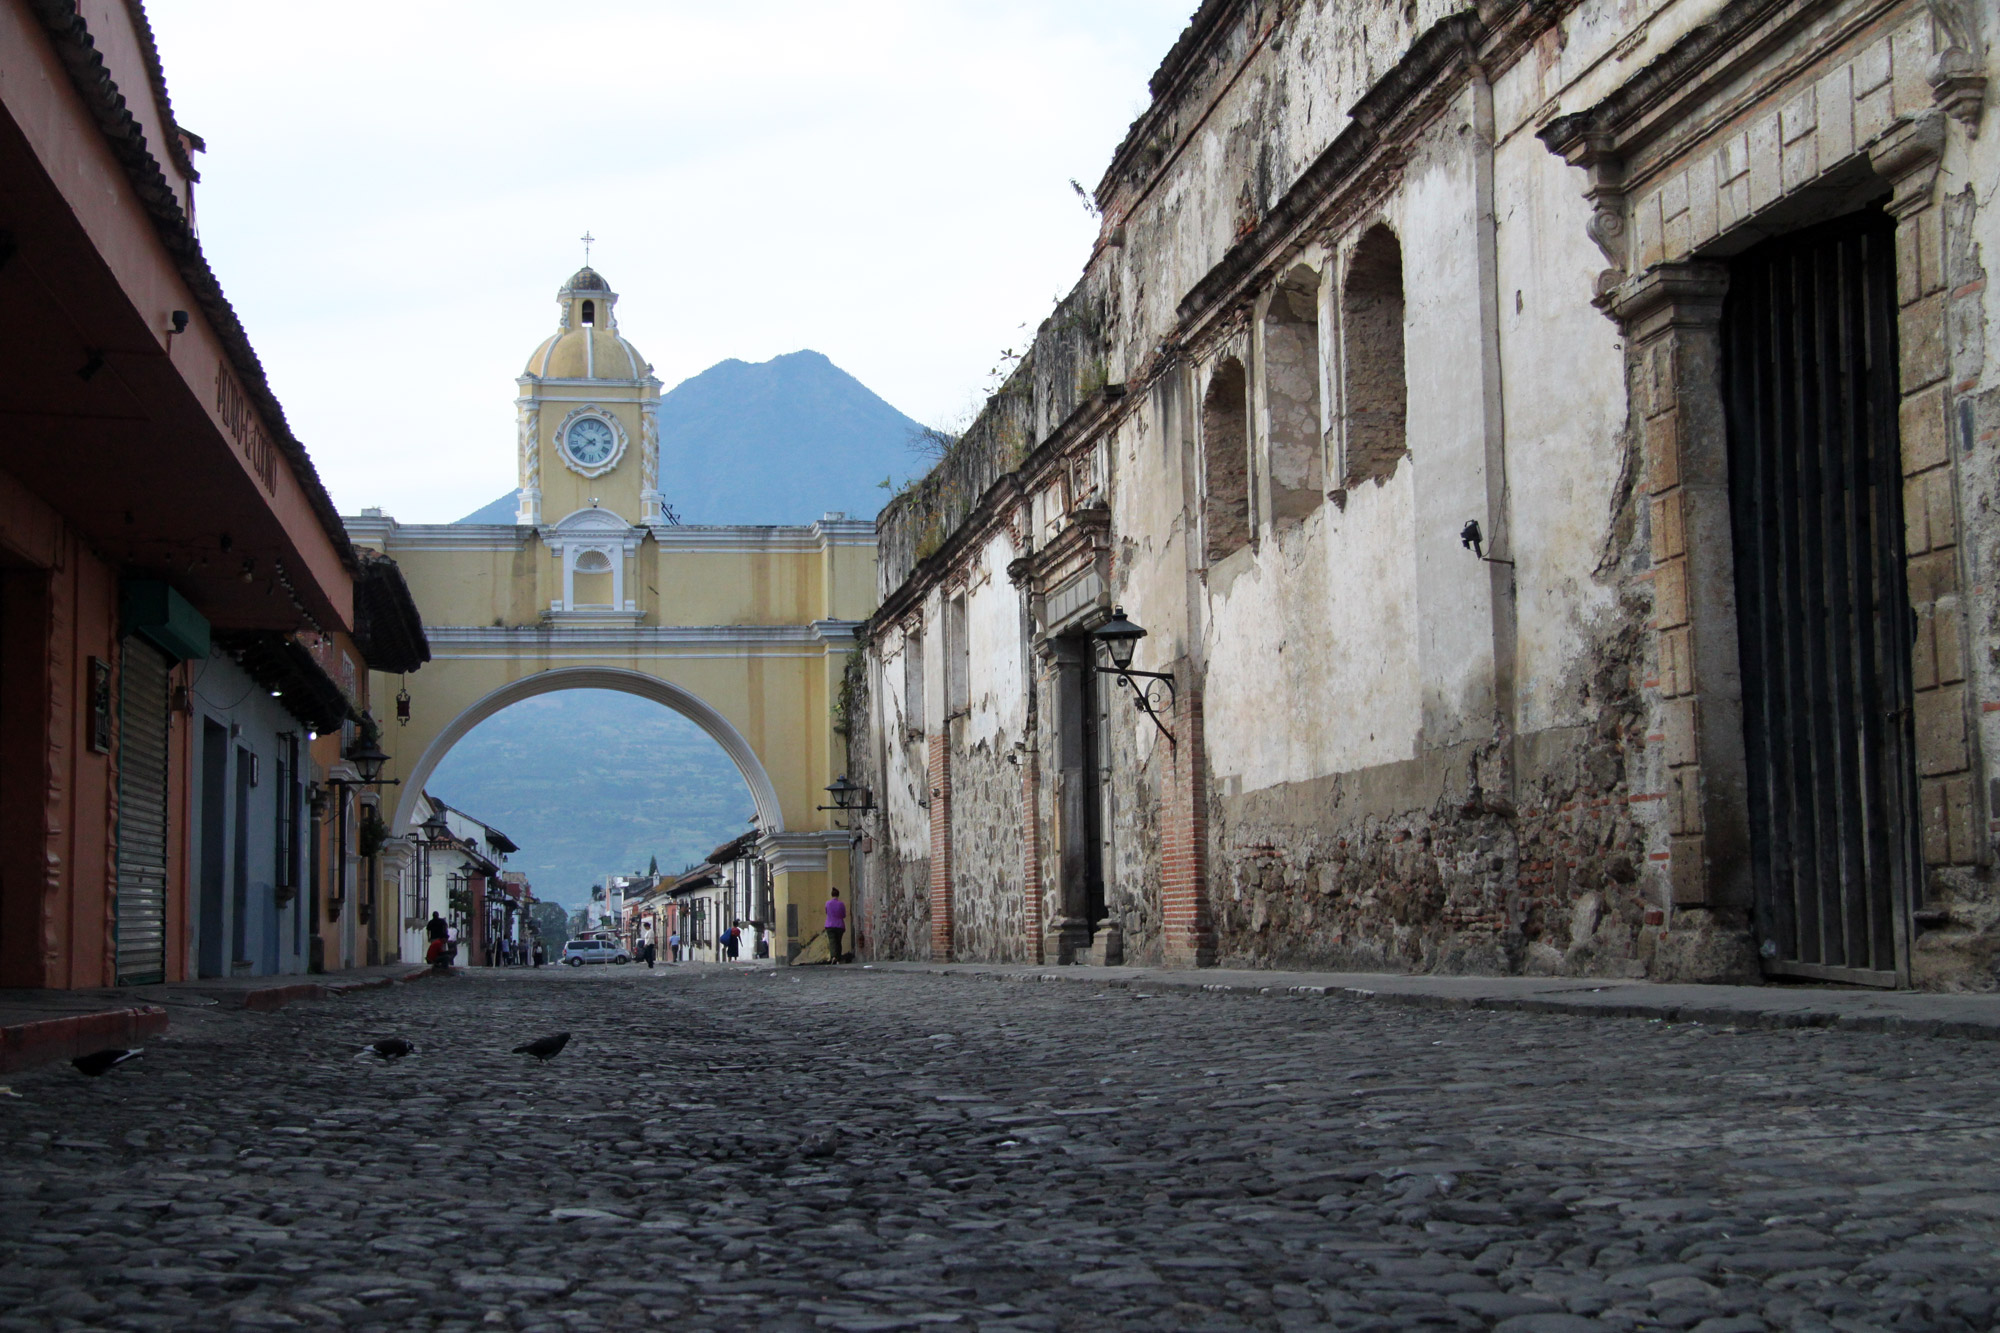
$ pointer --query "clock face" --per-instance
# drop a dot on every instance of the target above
(589, 441)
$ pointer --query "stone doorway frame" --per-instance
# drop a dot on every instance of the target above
(1767, 117)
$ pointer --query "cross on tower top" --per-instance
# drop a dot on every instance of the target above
(588, 241)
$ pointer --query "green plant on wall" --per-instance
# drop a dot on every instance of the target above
(849, 702)
(373, 831)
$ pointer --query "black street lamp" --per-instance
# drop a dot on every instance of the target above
(367, 757)
(1120, 638)
(848, 798)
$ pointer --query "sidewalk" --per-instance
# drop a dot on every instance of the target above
(1910, 1013)
(39, 1027)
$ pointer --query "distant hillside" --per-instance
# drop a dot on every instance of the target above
(781, 441)
(592, 782)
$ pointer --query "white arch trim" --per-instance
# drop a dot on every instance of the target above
(770, 815)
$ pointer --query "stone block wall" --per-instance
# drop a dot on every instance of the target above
(989, 902)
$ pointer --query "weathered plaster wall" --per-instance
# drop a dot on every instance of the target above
(1412, 757)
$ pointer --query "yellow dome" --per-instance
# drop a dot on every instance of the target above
(588, 354)
(587, 344)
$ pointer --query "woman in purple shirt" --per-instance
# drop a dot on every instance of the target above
(836, 922)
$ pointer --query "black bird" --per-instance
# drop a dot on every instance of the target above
(389, 1048)
(544, 1048)
(103, 1062)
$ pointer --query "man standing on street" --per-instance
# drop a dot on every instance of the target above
(437, 930)
(836, 922)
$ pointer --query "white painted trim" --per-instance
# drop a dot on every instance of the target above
(642, 636)
(770, 814)
(801, 852)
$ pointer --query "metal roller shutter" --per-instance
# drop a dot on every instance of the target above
(142, 815)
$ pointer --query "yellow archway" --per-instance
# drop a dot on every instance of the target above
(592, 584)
(770, 812)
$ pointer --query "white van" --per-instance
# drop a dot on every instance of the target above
(578, 952)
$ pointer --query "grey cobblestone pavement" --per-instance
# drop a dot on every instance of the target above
(855, 1150)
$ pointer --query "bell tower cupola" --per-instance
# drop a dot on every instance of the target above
(588, 416)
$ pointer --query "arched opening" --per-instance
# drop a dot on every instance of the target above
(592, 582)
(770, 814)
(1374, 393)
(590, 312)
(1291, 395)
(598, 778)
(1225, 461)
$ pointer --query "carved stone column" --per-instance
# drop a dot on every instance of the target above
(1672, 316)
(1946, 734)
(528, 431)
(651, 502)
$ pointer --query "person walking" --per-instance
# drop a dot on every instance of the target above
(836, 922)
(674, 946)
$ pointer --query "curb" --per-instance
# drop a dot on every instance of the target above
(270, 999)
(47, 1041)
(1712, 1015)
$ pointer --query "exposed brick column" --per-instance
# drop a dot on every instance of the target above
(1188, 927)
(1672, 316)
(940, 884)
(1031, 853)
(1949, 795)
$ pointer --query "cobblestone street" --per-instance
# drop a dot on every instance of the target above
(858, 1150)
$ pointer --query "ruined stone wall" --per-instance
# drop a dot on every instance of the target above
(1408, 752)
(1348, 871)
(989, 912)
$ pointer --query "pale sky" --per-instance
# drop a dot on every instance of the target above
(393, 191)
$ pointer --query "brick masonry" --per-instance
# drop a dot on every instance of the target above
(939, 770)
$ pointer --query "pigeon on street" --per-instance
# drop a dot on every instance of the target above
(102, 1062)
(389, 1048)
(544, 1048)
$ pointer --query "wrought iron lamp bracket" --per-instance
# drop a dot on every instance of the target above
(1143, 695)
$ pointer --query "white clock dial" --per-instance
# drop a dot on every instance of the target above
(589, 441)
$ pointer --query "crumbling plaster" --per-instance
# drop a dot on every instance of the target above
(1413, 758)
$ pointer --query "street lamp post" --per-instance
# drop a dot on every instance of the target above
(367, 757)
(1120, 638)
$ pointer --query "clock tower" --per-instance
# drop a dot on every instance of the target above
(589, 417)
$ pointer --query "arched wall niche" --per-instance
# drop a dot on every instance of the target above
(1225, 461)
(1291, 396)
(1374, 390)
